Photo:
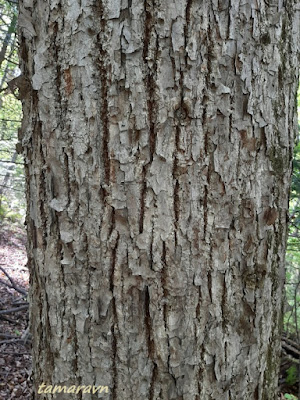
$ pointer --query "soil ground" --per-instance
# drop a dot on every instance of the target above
(15, 357)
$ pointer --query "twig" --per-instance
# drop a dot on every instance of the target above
(7, 336)
(291, 342)
(11, 162)
(15, 354)
(3, 317)
(20, 303)
(12, 310)
(11, 341)
(291, 349)
(14, 286)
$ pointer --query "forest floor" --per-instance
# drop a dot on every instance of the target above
(15, 354)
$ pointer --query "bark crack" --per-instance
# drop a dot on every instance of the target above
(150, 342)
(164, 284)
(150, 81)
(142, 200)
(151, 246)
(205, 211)
(76, 347)
(103, 72)
(114, 311)
(176, 200)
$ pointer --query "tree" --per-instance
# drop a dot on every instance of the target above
(11, 167)
(158, 140)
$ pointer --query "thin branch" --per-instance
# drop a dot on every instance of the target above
(9, 187)
(7, 336)
(7, 150)
(11, 162)
(10, 61)
(13, 310)
(4, 318)
(10, 120)
(24, 303)
(13, 284)
(15, 353)
(11, 341)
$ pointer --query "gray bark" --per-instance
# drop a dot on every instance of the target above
(158, 139)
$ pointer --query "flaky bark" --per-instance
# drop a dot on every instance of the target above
(158, 139)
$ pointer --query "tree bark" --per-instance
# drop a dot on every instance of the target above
(158, 138)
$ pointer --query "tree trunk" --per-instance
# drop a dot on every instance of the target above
(158, 139)
(7, 39)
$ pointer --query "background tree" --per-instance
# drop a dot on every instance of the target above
(158, 140)
(290, 363)
(12, 204)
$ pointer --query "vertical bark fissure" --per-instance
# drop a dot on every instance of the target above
(114, 389)
(151, 247)
(176, 198)
(163, 285)
(166, 297)
(229, 20)
(209, 284)
(89, 271)
(150, 79)
(142, 199)
(223, 307)
(42, 186)
(188, 9)
(200, 343)
(148, 330)
(150, 343)
(205, 122)
(104, 115)
(175, 170)
(147, 30)
(56, 49)
(103, 76)
(75, 360)
(152, 383)
(181, 116)
(205, 211)
(66, 175)
(114, 353)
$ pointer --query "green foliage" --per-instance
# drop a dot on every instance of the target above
(291, 320)
(6, 211)
(3, 212)
(290, 397)
(292, 375)
(292, 287)
(295, 189)
(14, 216)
